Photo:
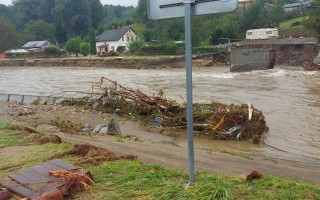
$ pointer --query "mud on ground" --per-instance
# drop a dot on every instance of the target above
(158, 148)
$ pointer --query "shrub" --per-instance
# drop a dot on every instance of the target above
(121, 49)
(136, 45)
(53, 51)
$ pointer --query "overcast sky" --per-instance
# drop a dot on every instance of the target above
(113, 2)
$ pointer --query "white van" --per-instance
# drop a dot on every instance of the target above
(262, 33)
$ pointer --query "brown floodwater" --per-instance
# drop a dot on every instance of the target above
(289, 98)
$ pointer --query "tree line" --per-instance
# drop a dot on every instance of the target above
(58, 20)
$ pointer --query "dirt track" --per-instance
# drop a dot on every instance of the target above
(156, 151)
(176, 157)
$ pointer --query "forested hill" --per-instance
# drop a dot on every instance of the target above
(57, 20)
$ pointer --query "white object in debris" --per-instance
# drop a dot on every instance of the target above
(250, 110)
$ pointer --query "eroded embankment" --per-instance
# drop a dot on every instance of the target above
(94, 62)
(289, 54)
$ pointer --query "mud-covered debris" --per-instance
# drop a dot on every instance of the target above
(19, 128)
(90, 154)
(50, 138)
(254, 175)
(66, 126)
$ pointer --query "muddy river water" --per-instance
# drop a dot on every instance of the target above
(289, 97)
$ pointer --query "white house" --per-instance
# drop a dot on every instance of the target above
(110, 40)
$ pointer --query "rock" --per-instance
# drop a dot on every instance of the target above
(98, 127)
(114, 127)
(104, 130)
(134, 138)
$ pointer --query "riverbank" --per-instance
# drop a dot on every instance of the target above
(126, 179)
(293, 53)
(155, 148)
(111, 62)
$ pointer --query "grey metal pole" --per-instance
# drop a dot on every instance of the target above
(188, 49)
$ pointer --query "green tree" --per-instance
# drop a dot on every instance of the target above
(39, 30)
(73, 45)
(25, 11)
(8, 36)
(141, 11)
(6, 12)
(92, 41)
(85, 48)
(96, 12)
(314, 19)
(72, 17)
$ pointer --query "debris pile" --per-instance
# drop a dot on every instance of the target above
(49, 138)
(53, 180)
(90, 154)
(221, 121)
(74, 179)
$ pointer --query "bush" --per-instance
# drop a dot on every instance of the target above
(136, 45)
(121, 49)
(53, 51)
(85, 48)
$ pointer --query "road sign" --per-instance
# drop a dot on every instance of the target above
(163, 9)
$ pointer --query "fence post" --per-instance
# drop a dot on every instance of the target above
(22, 99)
(8, 99)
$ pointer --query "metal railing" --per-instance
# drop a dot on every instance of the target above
(33, 99)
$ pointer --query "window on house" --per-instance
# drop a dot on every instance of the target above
(269, 32)
(249, 33)
(131, 37)
(112, 48)
(128, 39)
(122, 38)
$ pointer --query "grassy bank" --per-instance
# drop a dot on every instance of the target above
(136, 180)
(289, 24)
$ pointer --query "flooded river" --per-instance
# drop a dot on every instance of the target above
(288, 97)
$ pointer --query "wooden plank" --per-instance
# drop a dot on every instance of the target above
(35, 181)
(18, 189)
(52, 166)
(62, 164)
(2, 181)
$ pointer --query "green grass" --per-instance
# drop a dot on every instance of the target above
(9, 138)
(287, 25)
(135, 180)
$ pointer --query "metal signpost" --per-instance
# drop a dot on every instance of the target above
(162, 9)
